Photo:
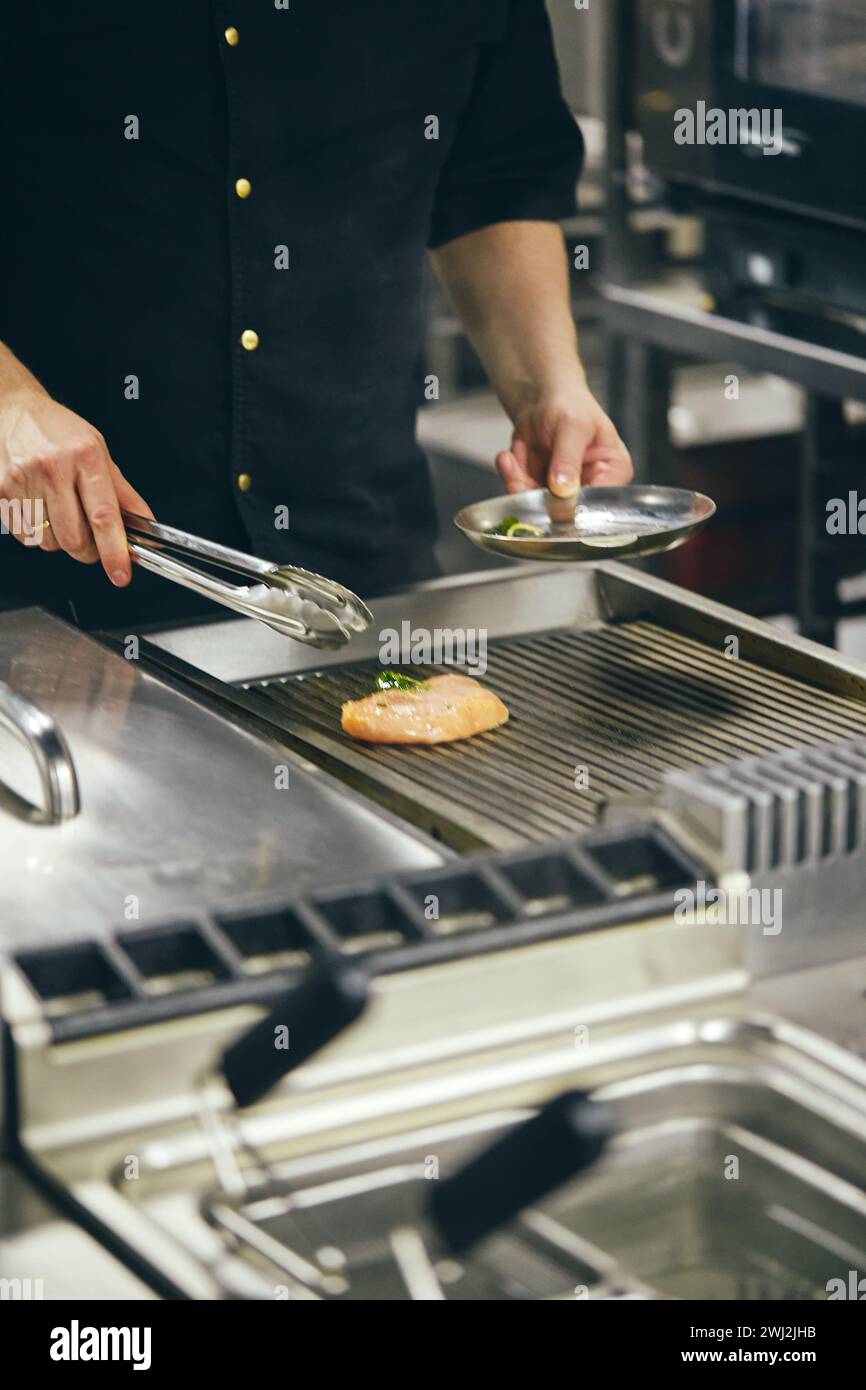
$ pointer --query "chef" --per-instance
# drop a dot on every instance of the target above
(215, 221)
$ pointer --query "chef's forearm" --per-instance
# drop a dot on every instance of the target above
(509, 284)
(15, 379)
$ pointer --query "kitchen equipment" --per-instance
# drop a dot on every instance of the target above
(144, 805)
(663, 1213)
(613, 679)
(498, 979)
(248, 949)
(305, 1240)
(788, 80)
(789, 276)
(293, 601)
(335, 1161)
(357, 1161)
(621, 521)
(60, 798)
(111, 1036)
(381, 1237)
(328, 1001)
(794, 821)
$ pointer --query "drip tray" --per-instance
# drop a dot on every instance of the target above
(736, 1173)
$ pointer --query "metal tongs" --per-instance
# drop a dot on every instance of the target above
(293, 601)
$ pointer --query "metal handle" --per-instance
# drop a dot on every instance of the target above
(530, 1161)
(38, 732)
(308, 1017)
(229, 595)
(293, 601)
(250, 566)
(153, 537)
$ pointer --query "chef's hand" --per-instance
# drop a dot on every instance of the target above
(561, 443)
(48, 454)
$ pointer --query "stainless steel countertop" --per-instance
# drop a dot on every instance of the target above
(180, 808)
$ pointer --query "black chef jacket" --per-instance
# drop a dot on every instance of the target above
(214, 219)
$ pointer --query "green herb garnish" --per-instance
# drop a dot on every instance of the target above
(512, 526)
(395, 680)
(502, 527)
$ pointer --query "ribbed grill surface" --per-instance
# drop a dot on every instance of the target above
(627, 702)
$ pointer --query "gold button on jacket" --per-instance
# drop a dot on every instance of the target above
(245, 482)
(232, 36)
(249, 339)
(243, 188)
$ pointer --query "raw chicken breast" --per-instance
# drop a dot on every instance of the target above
(441, 710)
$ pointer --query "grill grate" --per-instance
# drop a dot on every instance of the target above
(628, 702)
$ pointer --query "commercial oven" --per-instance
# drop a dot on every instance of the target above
(789, 77)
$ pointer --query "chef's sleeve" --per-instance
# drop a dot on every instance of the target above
(518, 152)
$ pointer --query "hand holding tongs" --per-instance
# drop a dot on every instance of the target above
(293, 601)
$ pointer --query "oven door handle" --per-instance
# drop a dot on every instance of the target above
(38, 731)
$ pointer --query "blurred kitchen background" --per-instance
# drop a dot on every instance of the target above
(722, 316)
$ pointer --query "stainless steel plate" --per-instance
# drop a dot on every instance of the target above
(615, 522)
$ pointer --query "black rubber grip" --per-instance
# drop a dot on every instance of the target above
(304, 1020)
(523, 1166)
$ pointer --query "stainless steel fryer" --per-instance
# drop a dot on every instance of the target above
(662, 1213)
(541, 1205)
(775, 1230)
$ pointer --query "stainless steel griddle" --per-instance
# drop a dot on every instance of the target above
(612, 680)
